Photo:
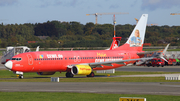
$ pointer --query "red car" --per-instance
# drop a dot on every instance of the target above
(171, 62)
(156, 62)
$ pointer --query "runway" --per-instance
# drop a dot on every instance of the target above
(93, 87)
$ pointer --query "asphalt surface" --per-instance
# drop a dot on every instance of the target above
(150, 69)
(93, 87)
(168, 88)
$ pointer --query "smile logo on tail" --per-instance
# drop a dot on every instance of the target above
(41, 56)
(135, 41)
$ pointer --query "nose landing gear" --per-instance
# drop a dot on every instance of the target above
(21, 76)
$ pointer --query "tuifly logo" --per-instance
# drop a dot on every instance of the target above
(41, 56)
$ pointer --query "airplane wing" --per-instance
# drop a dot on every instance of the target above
(154, 54)
(109, 63)
(157, 54)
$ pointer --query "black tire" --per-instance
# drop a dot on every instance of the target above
(148, 65)
(162, 66)
(69, 75)
(91, 74)
(21, 76)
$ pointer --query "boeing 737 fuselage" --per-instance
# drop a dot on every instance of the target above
(82, 62)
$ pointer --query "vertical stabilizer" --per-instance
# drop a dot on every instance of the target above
(136, 40)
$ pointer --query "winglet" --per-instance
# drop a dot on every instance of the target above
(37, 49)
(164, 52)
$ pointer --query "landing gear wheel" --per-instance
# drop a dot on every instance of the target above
(91, 74)
(21, 76)
(69, 75)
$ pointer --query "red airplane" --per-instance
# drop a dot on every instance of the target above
(83, 62)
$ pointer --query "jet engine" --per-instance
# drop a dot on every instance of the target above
(81, 70)
(45, 73)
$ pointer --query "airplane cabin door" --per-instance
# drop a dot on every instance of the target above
(30, 59)
(129, 55)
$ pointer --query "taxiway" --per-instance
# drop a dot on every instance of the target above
(93, 87)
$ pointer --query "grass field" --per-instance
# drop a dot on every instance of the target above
(63, 96)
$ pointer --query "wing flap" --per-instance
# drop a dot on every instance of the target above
(117, 62)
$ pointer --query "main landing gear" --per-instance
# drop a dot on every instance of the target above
(69, 75)
(91, 74)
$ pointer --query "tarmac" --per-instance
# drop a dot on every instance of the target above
(158, 88)
(94, 87)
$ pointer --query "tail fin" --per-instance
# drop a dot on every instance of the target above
(115, 43)
(37, 49)
(136, 39)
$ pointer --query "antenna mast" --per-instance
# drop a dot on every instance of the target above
(114, 21)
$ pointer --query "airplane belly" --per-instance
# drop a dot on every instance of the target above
(48, 65)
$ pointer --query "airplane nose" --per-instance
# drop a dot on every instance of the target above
(8, 65)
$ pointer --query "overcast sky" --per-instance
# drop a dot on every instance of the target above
(39, 11)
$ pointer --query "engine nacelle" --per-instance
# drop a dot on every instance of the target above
(81, 70)
(45, 73)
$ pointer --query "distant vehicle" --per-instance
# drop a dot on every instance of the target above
(156, 62)
(177, 61)
(12, 51)
(171, 62)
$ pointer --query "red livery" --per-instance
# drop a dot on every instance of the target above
(82, 62)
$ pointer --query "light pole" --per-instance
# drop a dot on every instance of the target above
(59, 45)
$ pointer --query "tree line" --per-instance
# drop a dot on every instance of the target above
(75, 34)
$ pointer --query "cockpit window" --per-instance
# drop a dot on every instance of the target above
(17, 59)
(13, 59)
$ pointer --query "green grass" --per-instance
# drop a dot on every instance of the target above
(63, 96)
(8, 76)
